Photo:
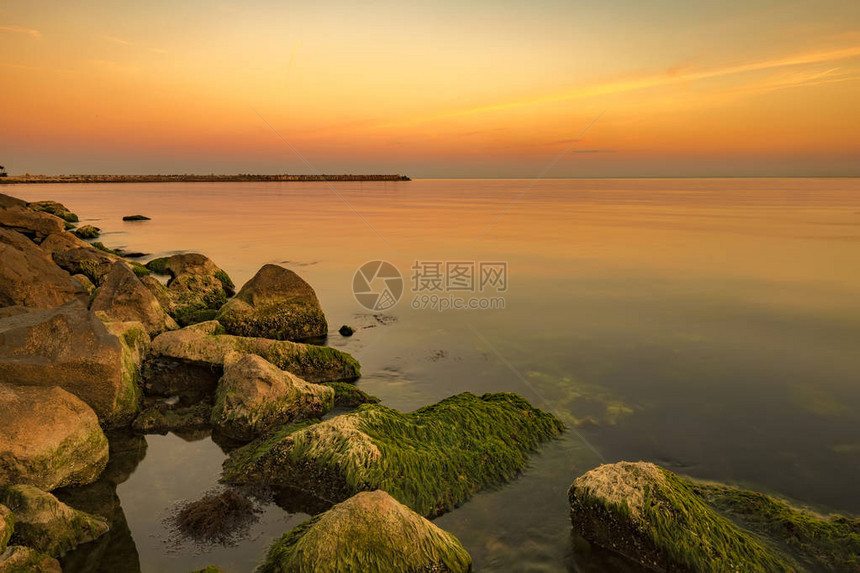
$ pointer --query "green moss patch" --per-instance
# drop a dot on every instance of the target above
(433, 459)
(349, 396)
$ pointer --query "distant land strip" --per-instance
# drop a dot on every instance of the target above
(191, 178)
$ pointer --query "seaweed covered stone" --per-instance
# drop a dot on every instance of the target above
(197, 288)
(660, 520)
(91, 262)
(48, 438)
(275, 303)
(48, 525)
(87, 232)
(54, 208)
(19, 559)
(68, 346)
(370, 531)
(205, 349)
(28, 277)
(432, 459)
(347, 395)
(123, 297)
(255, 396)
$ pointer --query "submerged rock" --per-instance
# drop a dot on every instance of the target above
(69, 347)
(348, 396)
(346, 330)
(87, 232)
(275, 303)
(54, 208)
(136, 218)
(196, 290)
(255, 396)
(196, 347)
(370, 531)
(48, 525)
(670, 523)
(48, 438)
(17, 559)
(123, 297)
(16, 216)
(433, 459)
(162, 418)
(29, 278)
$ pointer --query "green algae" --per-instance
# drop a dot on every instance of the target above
(433, 459)
(348, 396)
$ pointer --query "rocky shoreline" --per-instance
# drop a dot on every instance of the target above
(97, 350)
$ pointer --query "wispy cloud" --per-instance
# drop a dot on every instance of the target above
(19, 30)
(123, 42)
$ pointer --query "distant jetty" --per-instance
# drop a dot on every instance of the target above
(241, 178)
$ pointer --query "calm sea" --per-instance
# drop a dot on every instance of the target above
(709, 325)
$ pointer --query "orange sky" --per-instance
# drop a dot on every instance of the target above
(437, 88)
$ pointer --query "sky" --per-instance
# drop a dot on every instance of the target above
(432, 88)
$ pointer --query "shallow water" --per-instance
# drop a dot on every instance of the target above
(708, 325)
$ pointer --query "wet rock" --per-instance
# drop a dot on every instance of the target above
(48, 438)
(54, 208)
(17, 559)
(347, 538)
(196, 290)
(275, 303)
(162, 418)
(135, 218)
(7, 526)
(655, 518)
(46, 524)
(123, 297)
(255, 396)
(16, 216)
(87, 232)
(348, 396)
(433, 459)
(68, 346)
(346, 330)
(29, 278)
(308, 362)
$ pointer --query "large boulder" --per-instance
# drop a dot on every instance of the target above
(29, 278)
(275, 303)
(61, 242)
(123, 297)
(68, 346)
(16, 216)
(670, 523)
(192, 359)
(197, 287)
(54, 208)
(48, 438)
(349, 537)
(18, 559)
(433, 459)
(255, 396)
(48, 525)
(93, 263)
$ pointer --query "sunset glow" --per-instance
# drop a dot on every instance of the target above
(432, 89)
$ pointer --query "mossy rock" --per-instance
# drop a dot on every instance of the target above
(311, 363)
(348, 396)
(370, 531)
(7, 526)
(18, 559)
(670, 523)
(54, 208)
(276, 303)
(46, 524)
(197, 288)
(433, 459)
(255, 396)
(87, 232)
